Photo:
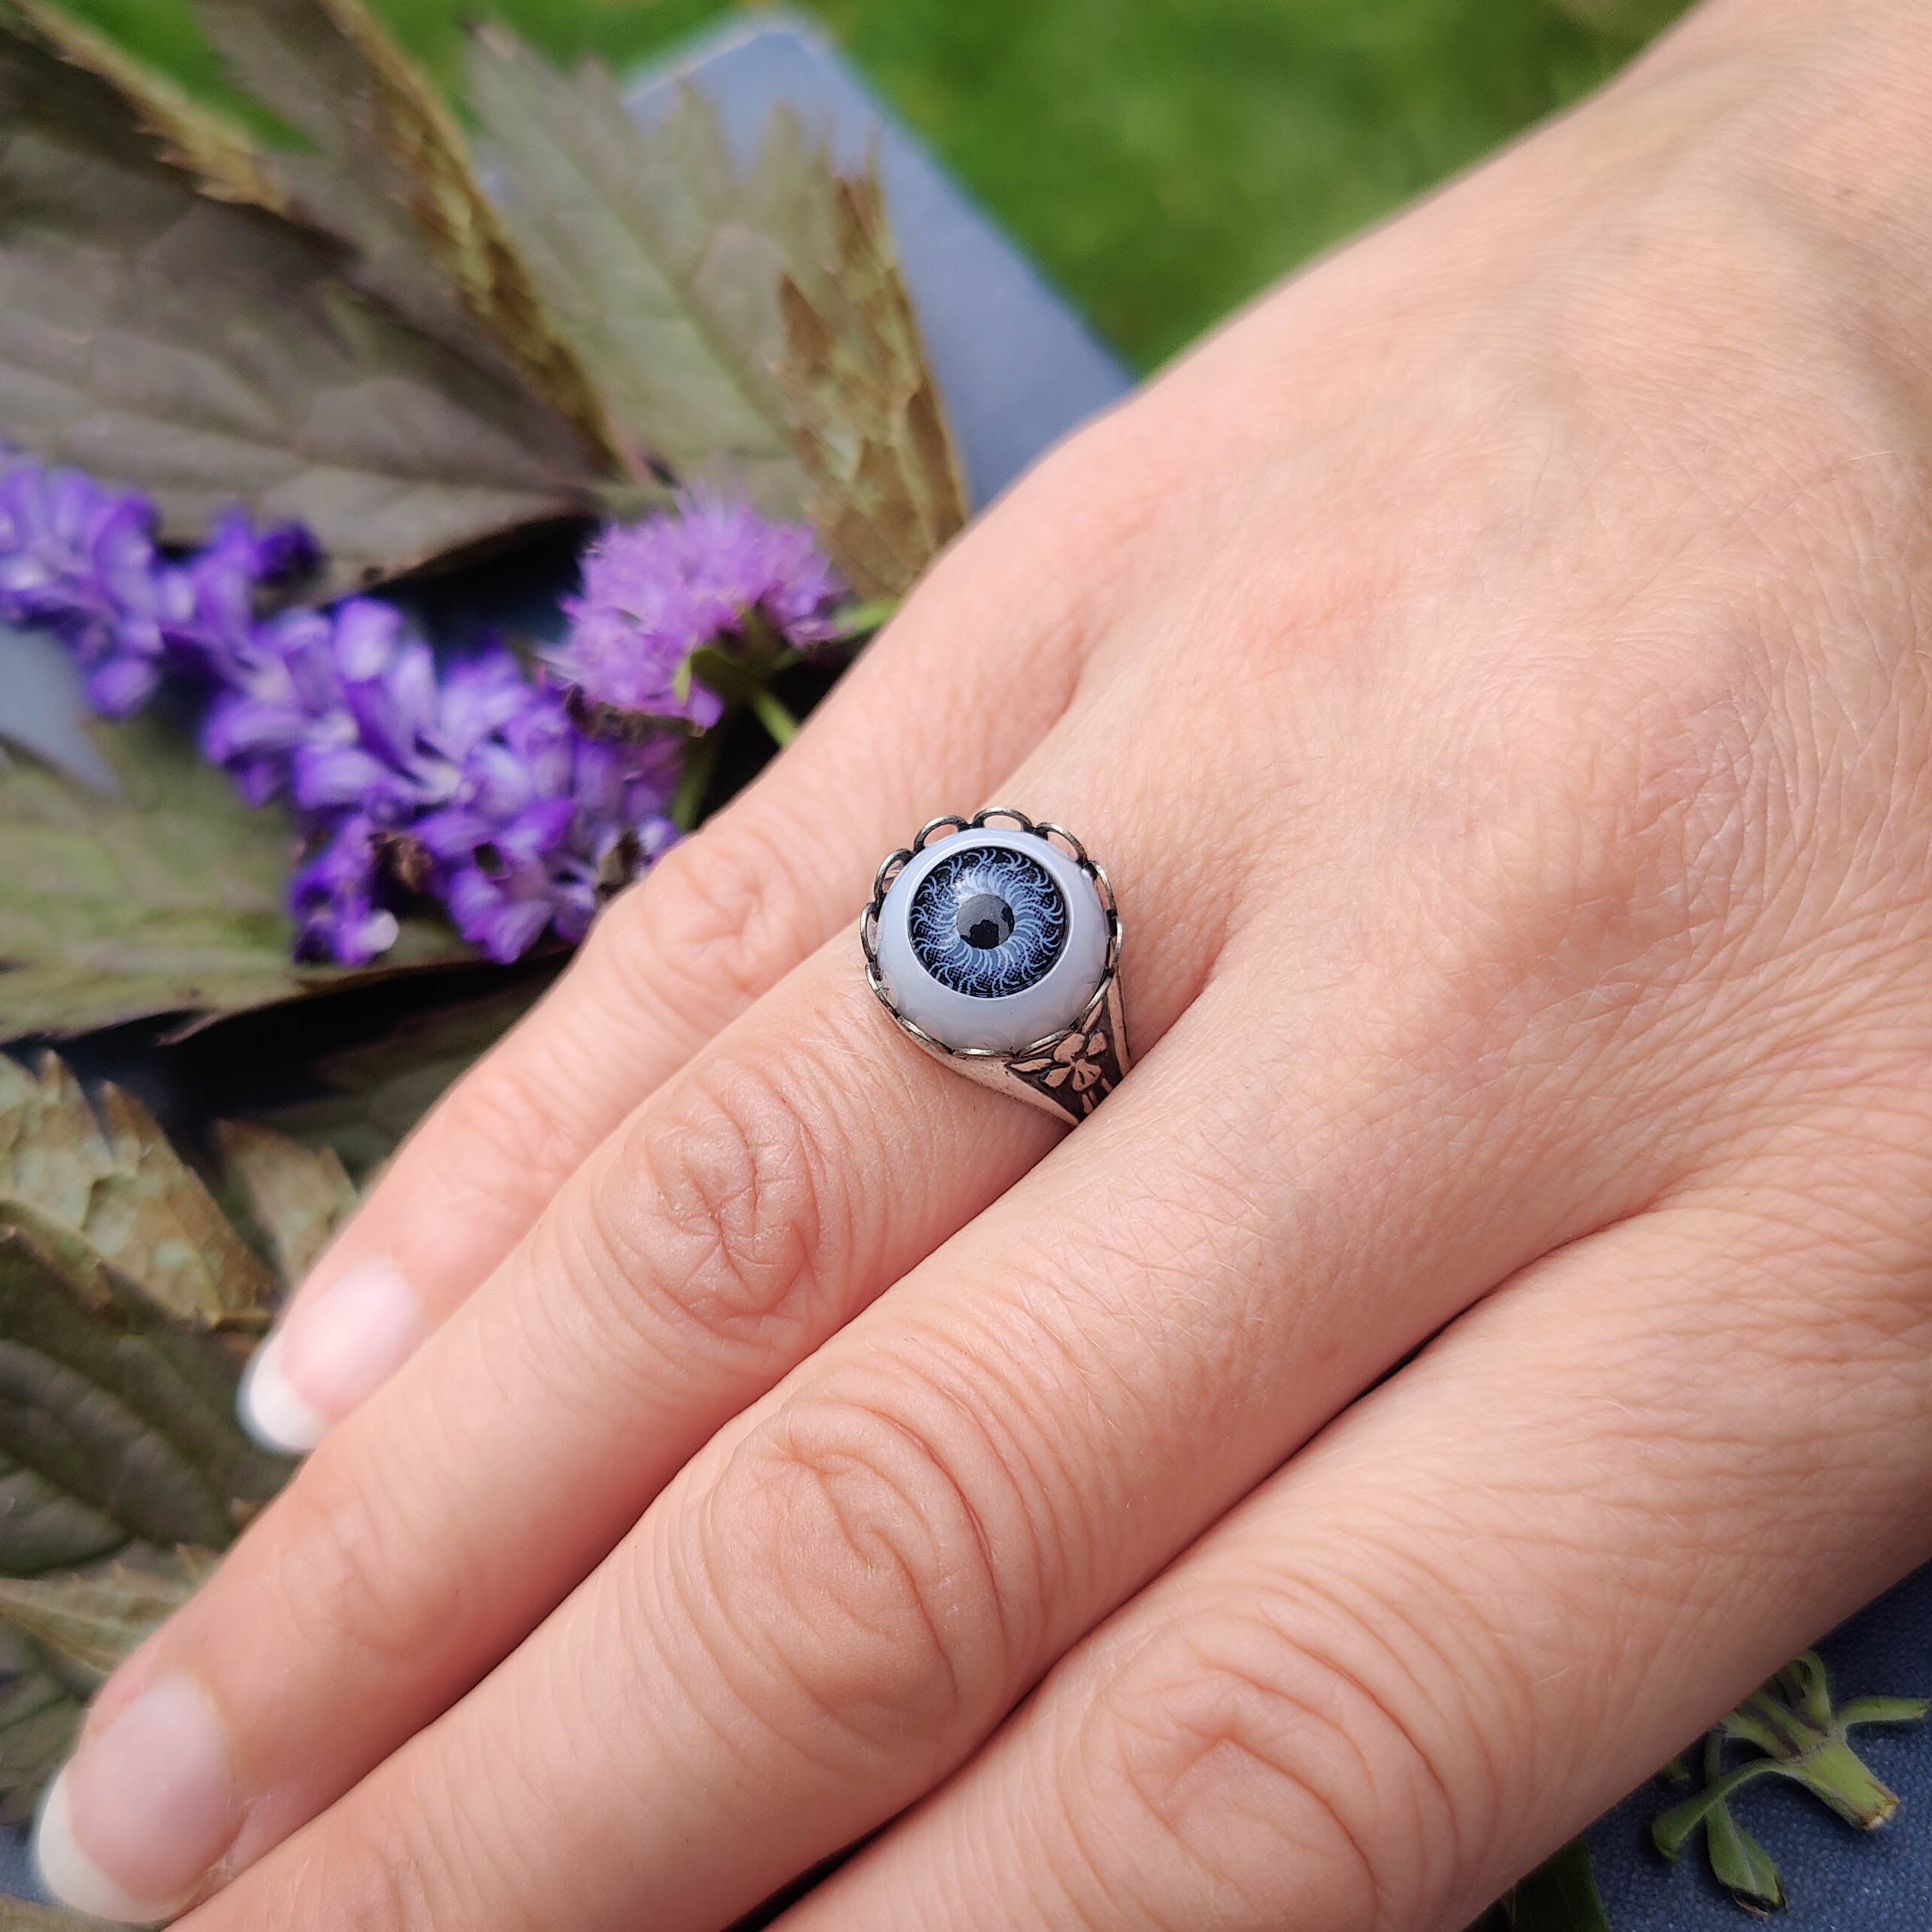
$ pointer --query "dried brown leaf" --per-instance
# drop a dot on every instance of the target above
(754, 323)
(204, 143)
(298, 1195)
(43, 1526)
(109, 1194)
(659, 261)
(85, 1622)
(167, 894)
(40, 1718)
(390, 175)
(120, 1410)
(884, 485)
(209, 352)
(378, 1090)
(24, 1915)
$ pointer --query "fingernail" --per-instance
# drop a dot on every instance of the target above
(329, 1354)
(131, 1827)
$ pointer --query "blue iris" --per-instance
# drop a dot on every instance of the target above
(988, 921)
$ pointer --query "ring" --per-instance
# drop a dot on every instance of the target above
(996, 947)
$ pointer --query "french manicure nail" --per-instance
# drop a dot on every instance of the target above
(129, 1828)
(329, 1354)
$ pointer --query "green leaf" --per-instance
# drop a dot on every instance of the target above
(1834, 1774)
(659, 260)
(859, 622)
(165, 896)
(110, 1194)
(1792, 1720)
(693, 785)
(1882, 1710)
(1671, 1831)
(299, 1196)
(389, 173)
(1561, 1896)
(209, 352)
(1634, 20)
(120, 1413)
(86, 1623)
(40, 1718)
(1804, 1683)
(1799, 1736)
(1740, 1864)
(884, 486)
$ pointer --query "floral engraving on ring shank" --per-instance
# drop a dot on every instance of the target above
(1079, 1072)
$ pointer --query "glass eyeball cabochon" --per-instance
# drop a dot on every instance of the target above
(993, 940)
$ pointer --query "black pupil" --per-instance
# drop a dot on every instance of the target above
(985, 920)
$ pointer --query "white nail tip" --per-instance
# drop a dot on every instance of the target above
(74, 1879)
(270, 1409)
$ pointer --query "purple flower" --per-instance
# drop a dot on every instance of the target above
(655, 592)
(471, 783)
(79, 559)
(543, 824)
(333, 895)
(207, 604)
(476, 783)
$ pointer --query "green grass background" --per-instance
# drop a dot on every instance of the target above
(1164, 159)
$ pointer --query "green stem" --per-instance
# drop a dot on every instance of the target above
(1835, 1773)
(773, 716)
(863, 620)
(700, 763)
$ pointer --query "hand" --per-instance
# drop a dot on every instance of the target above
(1489, 1330)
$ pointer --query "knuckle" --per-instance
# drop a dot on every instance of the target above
(346, 1570)
(1604, 848)
(723, 1203)
(864, 1576)
(1240, 1748)
(715, 921)
(1636, 800)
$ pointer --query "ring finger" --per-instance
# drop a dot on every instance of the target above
(855, 1581)
(718, 922)
(749, 1207)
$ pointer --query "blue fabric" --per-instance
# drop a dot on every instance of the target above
(1837, 1880)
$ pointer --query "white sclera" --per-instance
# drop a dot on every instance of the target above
(1004, 1025)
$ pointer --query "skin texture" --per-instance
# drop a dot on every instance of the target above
(1491, 670)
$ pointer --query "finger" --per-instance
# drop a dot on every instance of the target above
(952, 696)
(793, 1170)
(1493, 1598)
(848, 1589)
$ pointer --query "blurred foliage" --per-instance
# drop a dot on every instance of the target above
(1165, 159)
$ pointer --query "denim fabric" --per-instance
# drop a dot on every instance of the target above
(1837, 1880)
